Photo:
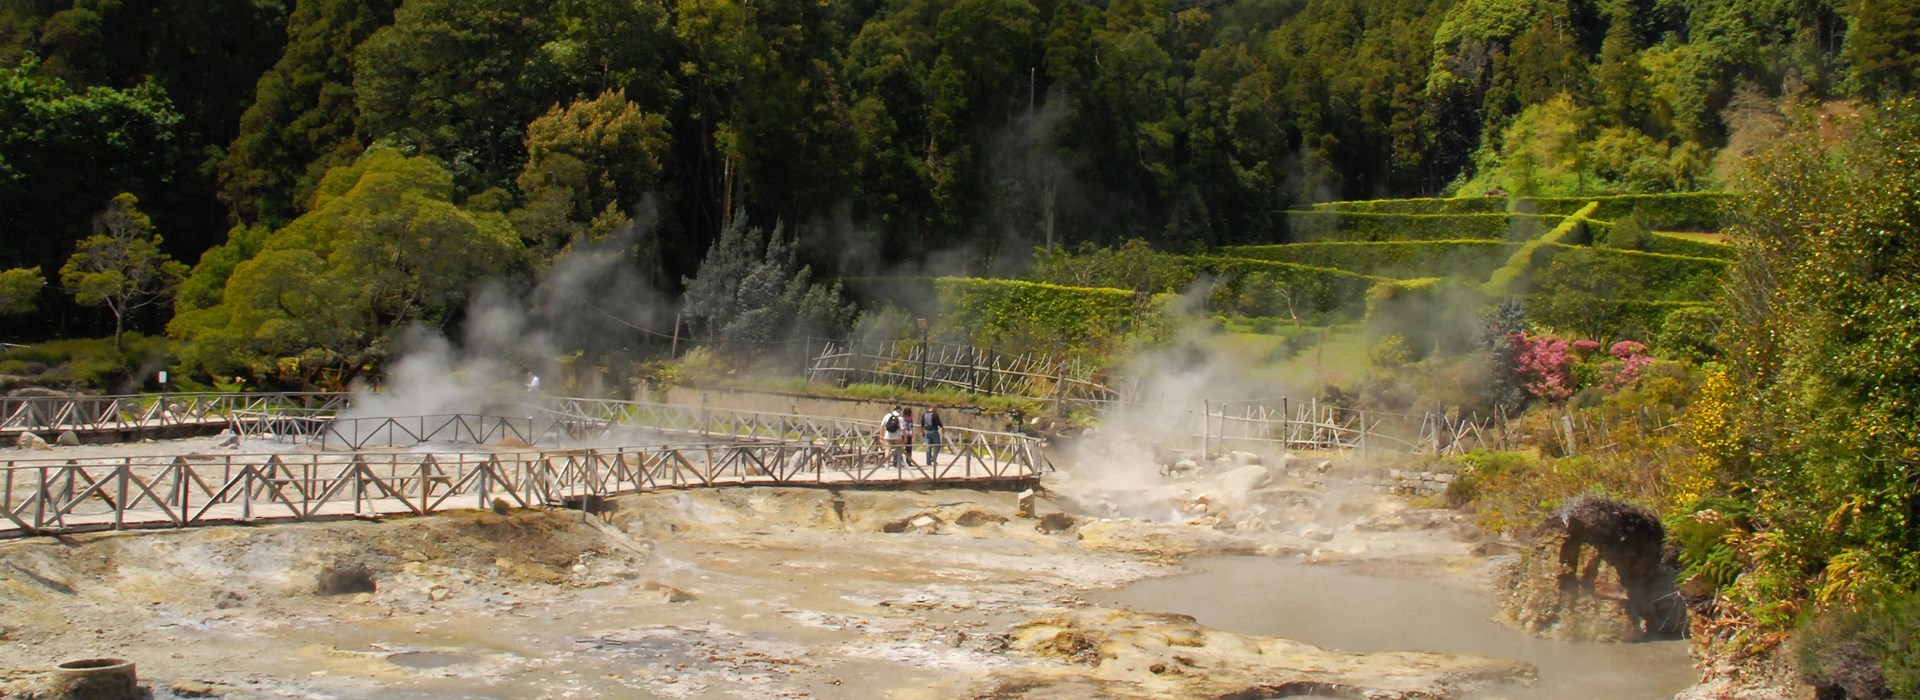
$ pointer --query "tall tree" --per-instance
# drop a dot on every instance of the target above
(752, 289)
(383, 247)
(1883, 47)
(62, 151)
(121, 266)
(301, 120)
(458, 80)
(587, 167)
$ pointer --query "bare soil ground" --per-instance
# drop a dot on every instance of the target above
(748, 593)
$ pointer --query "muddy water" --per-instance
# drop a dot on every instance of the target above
(1370, 610)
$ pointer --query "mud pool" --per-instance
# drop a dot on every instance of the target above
(1375, 607)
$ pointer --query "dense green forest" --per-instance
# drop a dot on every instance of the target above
(883, 131)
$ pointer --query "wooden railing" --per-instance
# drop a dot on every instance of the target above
(352, 478)
(54, 414)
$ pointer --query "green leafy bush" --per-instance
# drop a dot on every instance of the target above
(1629, 233)
(88, 363)
(1690, 333)
(1016, 314)
(1870, 649)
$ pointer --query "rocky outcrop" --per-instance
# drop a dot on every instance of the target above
(1157, 655)
(1594, 572)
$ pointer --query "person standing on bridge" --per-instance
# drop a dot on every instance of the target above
(906, 434)
(890, 435)
(931, 425)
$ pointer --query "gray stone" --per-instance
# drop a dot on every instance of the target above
(1244, 479)
(30, 441)
(67, 438)
(1243, 458)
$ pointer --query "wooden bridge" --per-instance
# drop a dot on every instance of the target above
(371, 467)
(120, 418)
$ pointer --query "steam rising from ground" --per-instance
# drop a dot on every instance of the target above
(592, 299)
(1121, 464)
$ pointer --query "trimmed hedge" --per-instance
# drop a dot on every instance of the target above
(1395, 259)
(1502, 281)
(1338, 226)
(1662, 277)
(1265, 288)
(1665, 243)
(1635, 319)
(1674, 211)
(1675, 245)
(1019, 314)
(1430, 205)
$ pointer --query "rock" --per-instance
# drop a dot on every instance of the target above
(1244, 479)
(924, 523)
(1593, 572)
(438, 593)
(195, 689)
(669, 594)
(30, 441)
(1184, 467)
(228, 440)
(67, 438)
(1245, 458)
(345, 578)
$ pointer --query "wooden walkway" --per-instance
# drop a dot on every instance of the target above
(147, 415)
(47, 496)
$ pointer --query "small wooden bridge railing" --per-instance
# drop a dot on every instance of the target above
(52, 414)
(43, 496)
(552, 420)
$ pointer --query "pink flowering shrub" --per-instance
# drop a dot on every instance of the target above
(1554, 369)
(1632, 358)
(1545, 366)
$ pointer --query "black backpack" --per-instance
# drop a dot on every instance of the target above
(893, 422)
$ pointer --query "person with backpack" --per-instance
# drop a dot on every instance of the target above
(890, 435)
(931, 425)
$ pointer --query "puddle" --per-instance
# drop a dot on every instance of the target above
(1343, 608)
(430, 659)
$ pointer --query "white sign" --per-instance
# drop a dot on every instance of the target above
(163, 376)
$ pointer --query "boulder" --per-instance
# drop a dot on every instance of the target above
(1594, 572)
(30, 441)
(67, 438)
(1244, 479)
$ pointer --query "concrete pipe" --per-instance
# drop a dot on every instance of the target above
(95, 679)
